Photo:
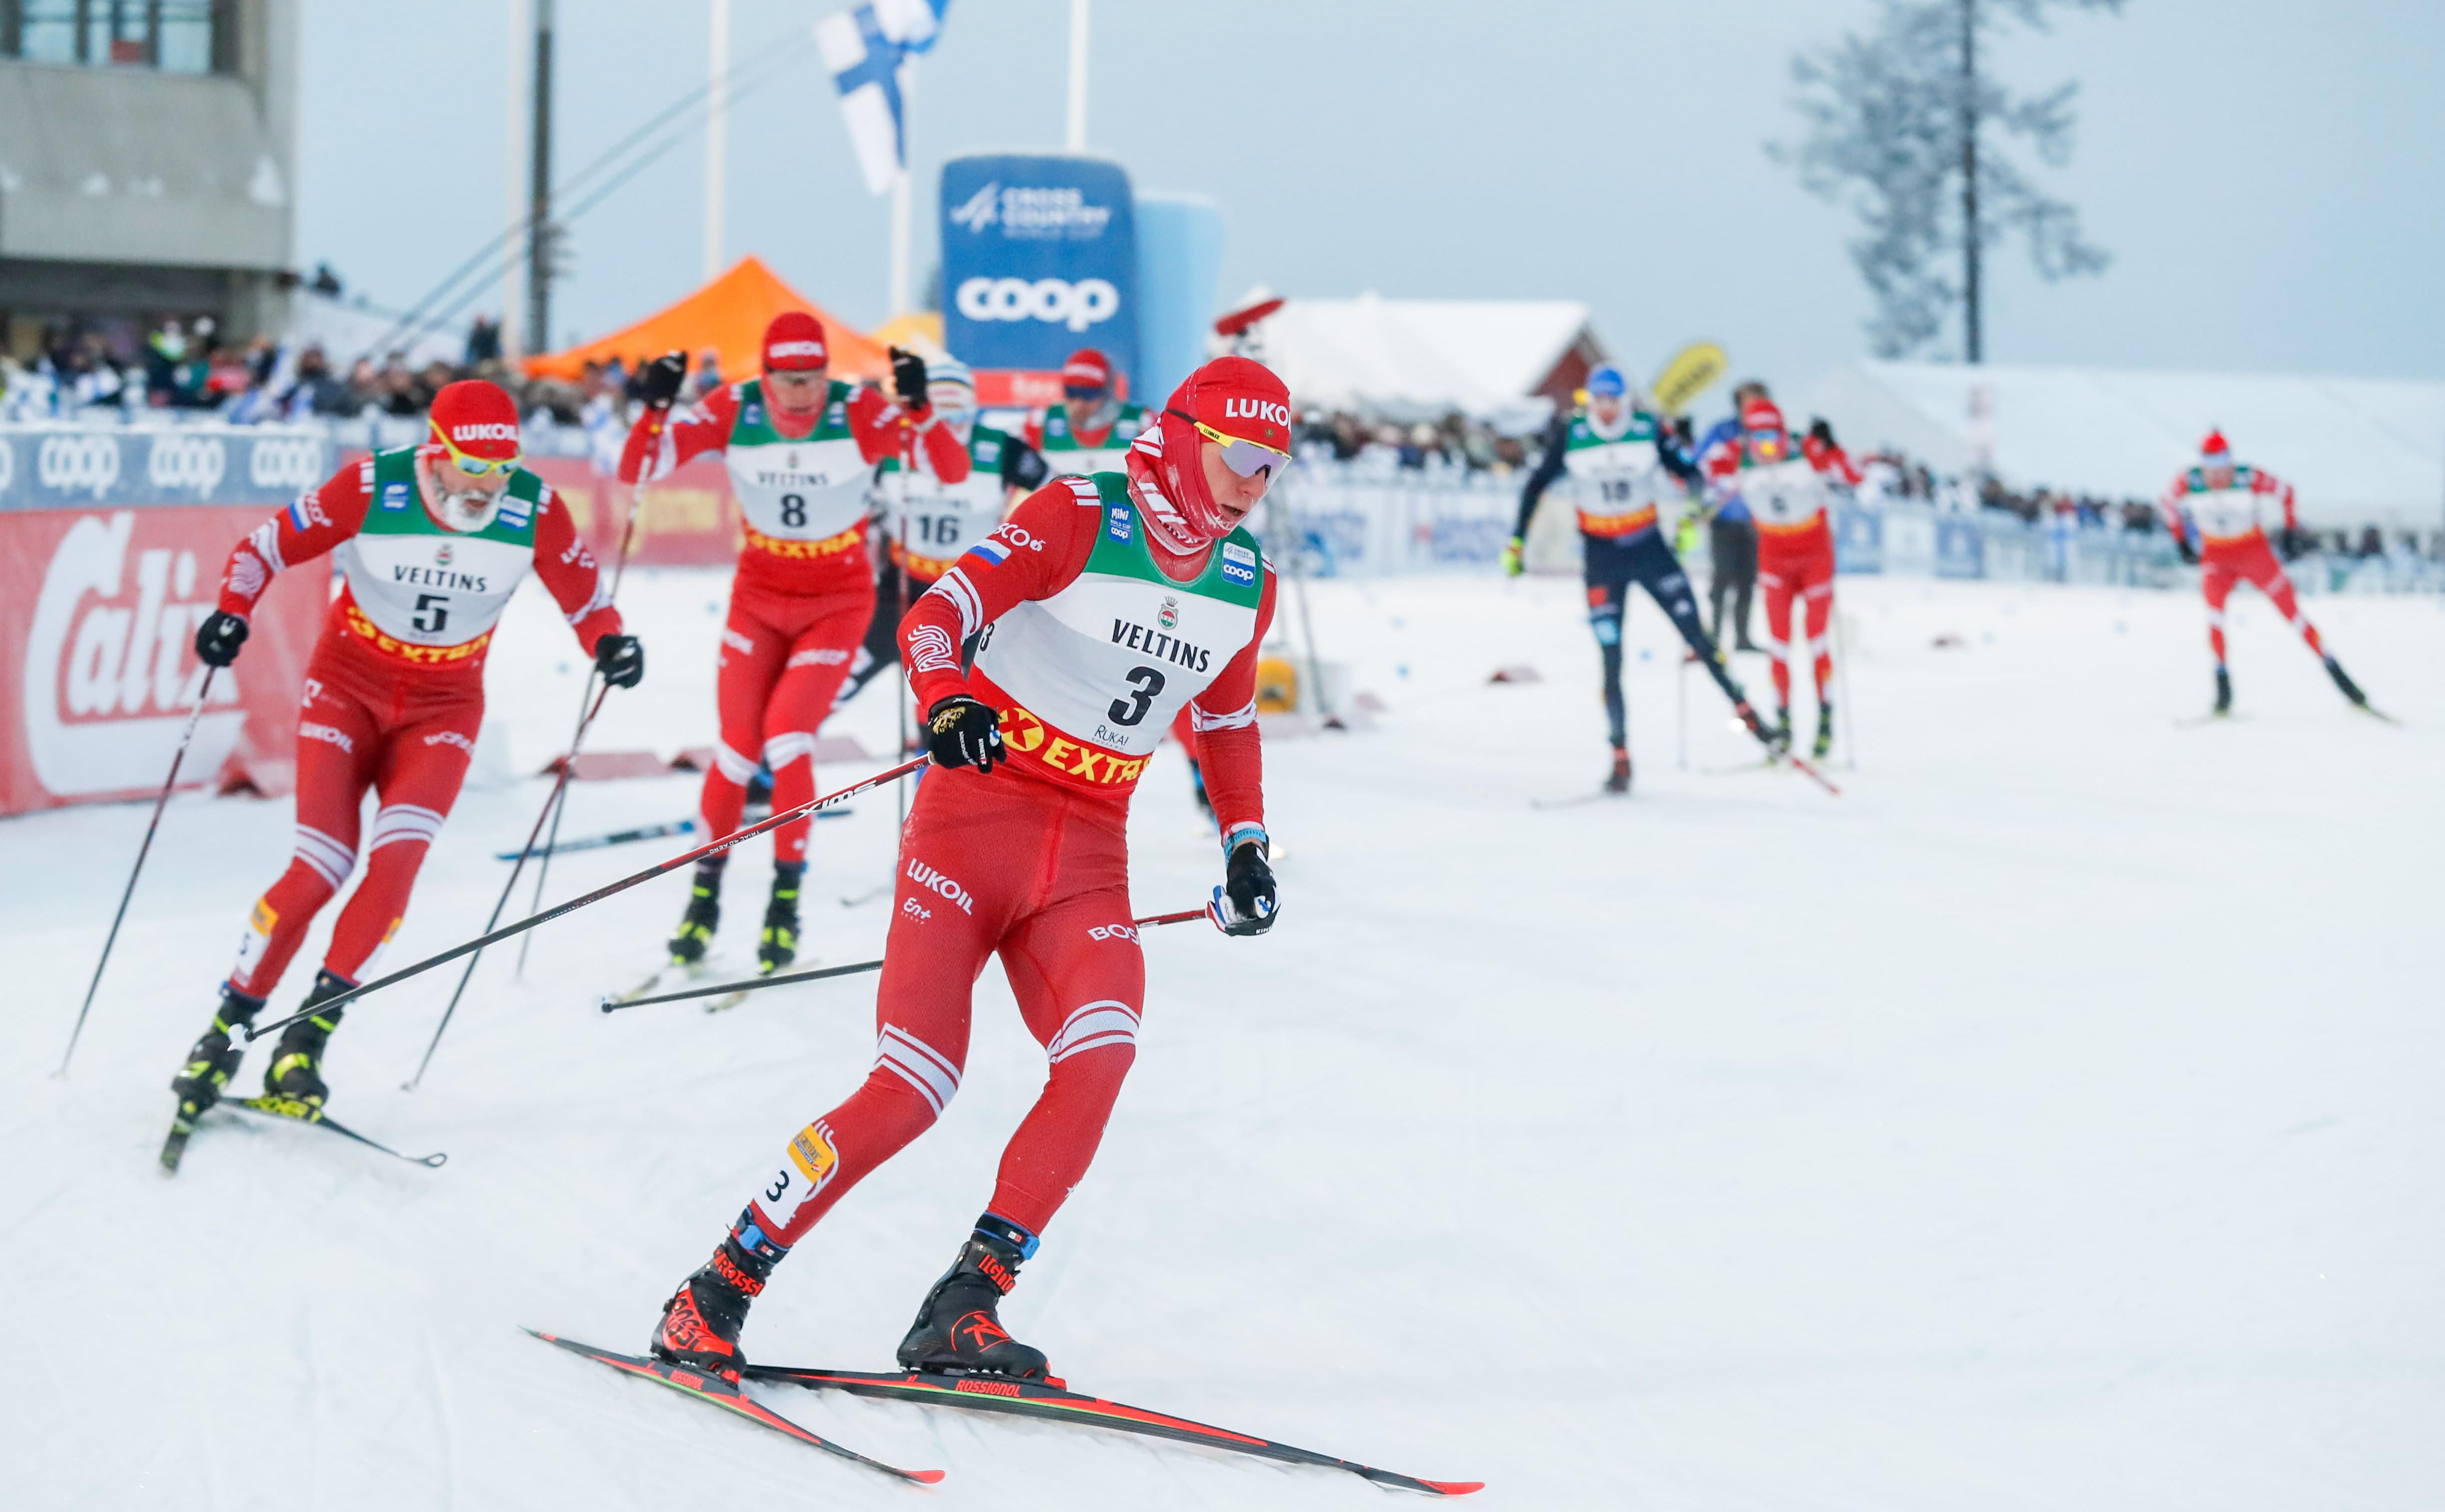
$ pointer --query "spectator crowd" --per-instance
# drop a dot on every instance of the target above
(189, 368)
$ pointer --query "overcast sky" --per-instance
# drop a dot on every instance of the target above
(2269, 176)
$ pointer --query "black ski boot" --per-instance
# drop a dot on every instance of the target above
(2342, 680)
(213, 1060)
(778, 946)
(1779, 733)
(296, 1072)
(1824, 731)
(1618, 780)
(694, 936)
(2224, 692)
(701, 1322)
(956, 1329)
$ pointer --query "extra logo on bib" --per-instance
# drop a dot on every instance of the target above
(1239, 562)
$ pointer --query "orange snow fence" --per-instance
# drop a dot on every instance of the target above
(727, 316)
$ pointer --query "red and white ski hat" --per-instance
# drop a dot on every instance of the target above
(1238, 399)
(1087, 368)
(2214, 448)
(473, 420)
(1761, 414)
(794, 342)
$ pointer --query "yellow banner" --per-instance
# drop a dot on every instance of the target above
(1687, 376)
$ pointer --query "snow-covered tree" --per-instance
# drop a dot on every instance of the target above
(1907, 126)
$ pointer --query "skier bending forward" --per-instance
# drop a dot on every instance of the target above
(1628, 466)
(2224, 502)
(1105, 605)
(432, 540)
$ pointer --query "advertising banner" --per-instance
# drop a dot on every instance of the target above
(74, 468)
(1040, 259)
(98, 672)
(690, 518)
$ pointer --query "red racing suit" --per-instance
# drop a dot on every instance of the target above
(2231, 521)
(395, 688)
(1788, 496)
(1031, 861)
(805, 584)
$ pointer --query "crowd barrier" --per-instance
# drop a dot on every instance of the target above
(1355, 520)
(112, 539)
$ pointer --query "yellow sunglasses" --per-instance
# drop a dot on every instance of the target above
(477, 466)
(1242, 455)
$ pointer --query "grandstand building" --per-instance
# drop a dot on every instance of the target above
(147, 164)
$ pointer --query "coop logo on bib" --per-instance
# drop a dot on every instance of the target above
(1239, 562)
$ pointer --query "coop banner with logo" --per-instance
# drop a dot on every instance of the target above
(1040, 259)
(66, 468)
(99, 608)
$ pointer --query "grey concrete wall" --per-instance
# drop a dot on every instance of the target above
(126, 169)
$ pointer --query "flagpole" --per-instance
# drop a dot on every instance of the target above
(717, 138)
(1077, 136)
(514, 189)
(899, 198)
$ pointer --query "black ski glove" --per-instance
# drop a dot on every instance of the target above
(658, 382)
(218, 637)
(620, 659)
(2189, 553)
(1245, 903)
(2291, 542)
(962, 732)
(908, 378)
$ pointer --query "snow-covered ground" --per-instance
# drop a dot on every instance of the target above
(2050, 1121)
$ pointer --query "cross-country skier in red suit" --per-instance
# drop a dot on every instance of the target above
(2228, 506)
(1786, 490)
(800, 447)
(1105, 604)
(432, 541)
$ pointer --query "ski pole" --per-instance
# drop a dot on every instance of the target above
(560, 783)
(558, 910)
(585, 717)
(905, 695)
(553, 808)
(177, 757)
(608, 1006)
(1850, 715)
(1680, 716)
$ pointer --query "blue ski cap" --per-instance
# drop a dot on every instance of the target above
(1605, 382)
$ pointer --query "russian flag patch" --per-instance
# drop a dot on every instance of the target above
(993, 552)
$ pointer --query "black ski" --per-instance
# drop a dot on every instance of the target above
(728, 1397)
(175, 1147)
(289, 1109)
(650, 831)
(1053, 1401)
(598, 842)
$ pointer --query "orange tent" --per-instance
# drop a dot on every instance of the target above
(728, 315)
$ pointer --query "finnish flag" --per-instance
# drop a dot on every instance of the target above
(870, 51)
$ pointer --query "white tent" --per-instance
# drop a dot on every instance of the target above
(2360, 451)
(1421, 358)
